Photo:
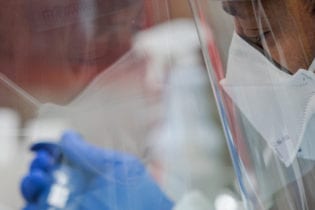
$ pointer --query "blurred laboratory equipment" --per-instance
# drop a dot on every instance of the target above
(188, 145)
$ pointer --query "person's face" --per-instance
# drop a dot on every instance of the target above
(53, 49)
(284, 29)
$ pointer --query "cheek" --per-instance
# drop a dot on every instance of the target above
(289, 53)
(291, 42)
(289, 47)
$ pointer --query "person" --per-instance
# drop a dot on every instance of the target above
(261, 62)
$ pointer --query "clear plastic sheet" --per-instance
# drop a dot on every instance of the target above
(260, 59)
(114, 100)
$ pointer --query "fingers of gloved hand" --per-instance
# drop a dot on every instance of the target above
(43, 161)
(34, 184)
(86, 156)
(52, 149)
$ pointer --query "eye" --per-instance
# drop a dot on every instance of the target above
(258, 40)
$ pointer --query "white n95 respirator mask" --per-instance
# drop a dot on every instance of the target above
(281, 107)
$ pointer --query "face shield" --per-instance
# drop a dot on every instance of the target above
(104, 69)
(259, 56)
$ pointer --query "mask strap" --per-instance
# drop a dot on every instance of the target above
(11, 85)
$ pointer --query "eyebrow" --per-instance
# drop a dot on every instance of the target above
(235, 9)
(231, 10)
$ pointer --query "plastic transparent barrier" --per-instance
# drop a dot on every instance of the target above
(134, 94)
(259, 55)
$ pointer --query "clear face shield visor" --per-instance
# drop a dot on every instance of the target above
(260, 59)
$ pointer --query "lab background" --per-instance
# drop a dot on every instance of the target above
(184, 145)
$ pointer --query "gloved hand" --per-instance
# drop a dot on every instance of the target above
(109, 180)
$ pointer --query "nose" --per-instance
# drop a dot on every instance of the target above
(246, 27)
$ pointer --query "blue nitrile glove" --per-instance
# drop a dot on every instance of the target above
(104, 179)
